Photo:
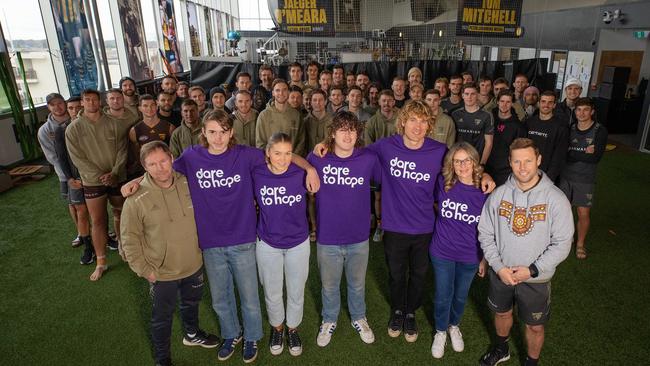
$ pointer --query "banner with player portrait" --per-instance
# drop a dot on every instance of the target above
(134, 39)
(303, 16)
(74, 41)
(171, 49)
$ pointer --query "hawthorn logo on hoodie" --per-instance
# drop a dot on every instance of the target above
(523, 220)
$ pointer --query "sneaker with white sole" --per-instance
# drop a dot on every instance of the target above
(325, 334)
(396, 324)
(494, 357)
(438, 346)
(363, 328)
(410, 328)
(276, 341)
(456, 337)
(294, 342)
(227, 348)
(201, 338)
(249, 351)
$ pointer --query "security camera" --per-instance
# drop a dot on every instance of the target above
(608, 17)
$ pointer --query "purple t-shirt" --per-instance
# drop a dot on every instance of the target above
(221, 187)
(283, 209)
(408, 180)
(343, 201)
(456, 235)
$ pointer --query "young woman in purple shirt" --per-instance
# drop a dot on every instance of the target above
(455, 250)
(343, 216)
(283, 241)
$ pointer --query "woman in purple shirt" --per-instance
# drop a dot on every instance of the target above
(455, 250)
(283, 240)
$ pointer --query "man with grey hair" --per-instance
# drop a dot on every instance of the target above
(169, 259)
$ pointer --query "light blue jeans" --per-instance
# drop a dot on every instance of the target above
(227, 266)
(277, 266)
(332, 261)
(453, 280)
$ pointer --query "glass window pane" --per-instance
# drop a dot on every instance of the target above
(150, 26)
(24, 32)
(264, 9)
(266, 24)
(108, 33)
(249, 24)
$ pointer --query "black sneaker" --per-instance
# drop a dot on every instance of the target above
(113, 244)
(112, 235)
(295, 344)
(410, 328)
(88, 256)
(228, 348)
(494, 357)
(250, 351)
(166, 362)
(202, 339)
(396, 324)
(276, 341)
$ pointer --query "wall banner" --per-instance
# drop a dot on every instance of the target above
(303, 16)
(74, 41)
(489, 18)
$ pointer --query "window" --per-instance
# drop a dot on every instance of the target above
(106, 22)
(25, 33)
(150, 33)
(255, 15)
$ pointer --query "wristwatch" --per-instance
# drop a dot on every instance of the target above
(534, 272)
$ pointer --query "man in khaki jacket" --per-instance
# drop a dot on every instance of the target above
(161, 245)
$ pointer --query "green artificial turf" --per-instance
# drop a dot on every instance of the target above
(50, 314)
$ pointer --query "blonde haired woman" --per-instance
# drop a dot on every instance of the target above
(455, 251)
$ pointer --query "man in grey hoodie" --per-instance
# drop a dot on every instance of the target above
(525, 230)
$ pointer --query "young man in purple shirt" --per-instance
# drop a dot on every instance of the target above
(343, 209)
(410, 163)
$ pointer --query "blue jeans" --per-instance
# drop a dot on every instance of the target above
(332, 260)
(277, 266)
(453, 280)
(227, 266)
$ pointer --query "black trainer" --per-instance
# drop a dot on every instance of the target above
(410, 328)
(295, 344)
(276, 341)
(88, 256)
(202, 339)
(494, 357)
(395, 324)
(113, 244)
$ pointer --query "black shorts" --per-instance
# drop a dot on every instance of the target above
(71, 195)
(579, 194)
(533, 299)
(91, 192)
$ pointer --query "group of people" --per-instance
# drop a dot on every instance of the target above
(237, 187)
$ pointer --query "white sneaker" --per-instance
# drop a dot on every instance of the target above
(438, 346)
(362, 327)
(325, 334)
(456, 337)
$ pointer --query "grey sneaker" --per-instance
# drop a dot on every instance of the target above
(438, 346)
(325, 334)
(362, 327)
(456, 337)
